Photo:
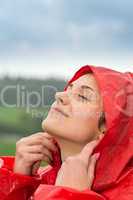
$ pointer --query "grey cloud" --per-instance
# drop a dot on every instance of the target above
(68, 25)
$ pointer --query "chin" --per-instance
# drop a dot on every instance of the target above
(54, 123)
(46, 126)
(53, 127)
(50, 126)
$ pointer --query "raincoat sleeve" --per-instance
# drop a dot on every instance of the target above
(51, 192)
(15, 186)
(121, 190)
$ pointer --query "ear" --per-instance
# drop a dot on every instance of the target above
(102, 124)
(101, 131)
(102, 128)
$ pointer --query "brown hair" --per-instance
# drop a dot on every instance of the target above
(102, 120)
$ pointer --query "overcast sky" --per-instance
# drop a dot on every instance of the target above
(55, 37)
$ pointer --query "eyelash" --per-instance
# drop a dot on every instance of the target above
(83, 97)
(79, 95)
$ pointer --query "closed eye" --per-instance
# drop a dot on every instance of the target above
(83, 97)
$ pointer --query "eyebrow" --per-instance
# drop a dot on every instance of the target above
(82, 87)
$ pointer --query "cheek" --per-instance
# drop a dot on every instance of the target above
(86, 114)
(84, 123)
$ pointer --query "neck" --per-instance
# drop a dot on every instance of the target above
(68, 148)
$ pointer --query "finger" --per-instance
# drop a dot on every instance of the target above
(37, 136)
(87, 150)
(33, 140)
(47, 142)
(35, 167)
(39, 149)
(42, 134)
(47, 135)
(34, 149)
(50, 145)
(48, 154)
(101, 136)
(92, 167)
(33, 157)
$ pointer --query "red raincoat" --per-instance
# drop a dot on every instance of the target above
(114, 169)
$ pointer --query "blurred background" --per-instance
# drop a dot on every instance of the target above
(42, 43)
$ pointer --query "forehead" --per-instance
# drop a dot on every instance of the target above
(89, 80)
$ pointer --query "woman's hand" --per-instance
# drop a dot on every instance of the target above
(78, 171)
(31, 150)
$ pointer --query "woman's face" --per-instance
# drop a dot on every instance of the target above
(74, 115)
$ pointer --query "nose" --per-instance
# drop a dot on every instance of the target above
(62, 97)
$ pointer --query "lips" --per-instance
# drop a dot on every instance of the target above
(60, 111)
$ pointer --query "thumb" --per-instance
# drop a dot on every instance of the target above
(92, 167)
(86, 152)
(35, 167)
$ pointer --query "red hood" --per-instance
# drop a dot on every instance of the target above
(117, 146)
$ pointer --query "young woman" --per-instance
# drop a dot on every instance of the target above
(87, 142)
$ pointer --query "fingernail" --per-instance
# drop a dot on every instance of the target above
(97, 155)
(101, 136)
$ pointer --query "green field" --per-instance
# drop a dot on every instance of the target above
(18, 121)
(14, 124)
(7, 147)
